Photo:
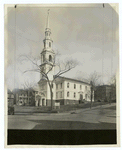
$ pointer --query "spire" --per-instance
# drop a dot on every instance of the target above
(47, 25)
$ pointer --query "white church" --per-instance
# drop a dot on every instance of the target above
(65, 90)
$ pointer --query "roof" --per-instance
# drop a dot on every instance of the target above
(22, 90)
(71, 79)
(9, 92)
(104, 85)
(65, 78)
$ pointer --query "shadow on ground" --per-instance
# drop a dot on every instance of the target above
(68, 125)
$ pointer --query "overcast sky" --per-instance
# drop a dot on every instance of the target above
(88, 34)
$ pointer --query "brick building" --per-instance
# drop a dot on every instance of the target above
(103, 93)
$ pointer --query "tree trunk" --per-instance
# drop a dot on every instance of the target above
(51, 100)
(51, 95)
(28, 96)
(91, 94)
(91, 100)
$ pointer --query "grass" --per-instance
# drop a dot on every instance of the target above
(63, 108)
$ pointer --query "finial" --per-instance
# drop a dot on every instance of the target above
(48, 18)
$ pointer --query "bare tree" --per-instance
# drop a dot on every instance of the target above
(112, 83)
(61, 68)
(93, 79)
(29, 87)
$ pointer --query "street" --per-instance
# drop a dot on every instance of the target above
(100, 117)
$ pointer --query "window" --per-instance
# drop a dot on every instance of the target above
(67, 85)
(49, 44)
(56, 86)
(86, 87)
(80, 87)
(44, 44)
(86, 96)
(67, 94)
(74, 94)
(61, 95)
(56, 94)
(74, 86)
(50, 58)
(61, 85)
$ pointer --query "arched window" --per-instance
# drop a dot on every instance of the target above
(49, 44)
(50, 58)
(61, 85)
(74, 94)
(67, 85)
(67, 94)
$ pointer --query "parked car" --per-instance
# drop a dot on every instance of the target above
(10, 110)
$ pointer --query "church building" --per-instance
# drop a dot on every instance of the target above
(65, 90)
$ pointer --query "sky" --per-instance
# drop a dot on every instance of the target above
(88, 33)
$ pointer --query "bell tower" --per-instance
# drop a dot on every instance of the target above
(47, 54)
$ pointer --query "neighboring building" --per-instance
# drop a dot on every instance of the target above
(10, 97)
(24, 97)
(113, 92)
(65, 90)
(103, 92)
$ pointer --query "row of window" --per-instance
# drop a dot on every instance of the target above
(69, 94)
(68, 85)
(59, 94)
(50, 58)
(57, 86)
(49, 44)
(47, 34)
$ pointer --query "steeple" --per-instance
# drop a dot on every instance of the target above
(47, 54)
(47, 25)
(48, 41)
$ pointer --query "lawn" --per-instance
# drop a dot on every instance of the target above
(63, 108)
